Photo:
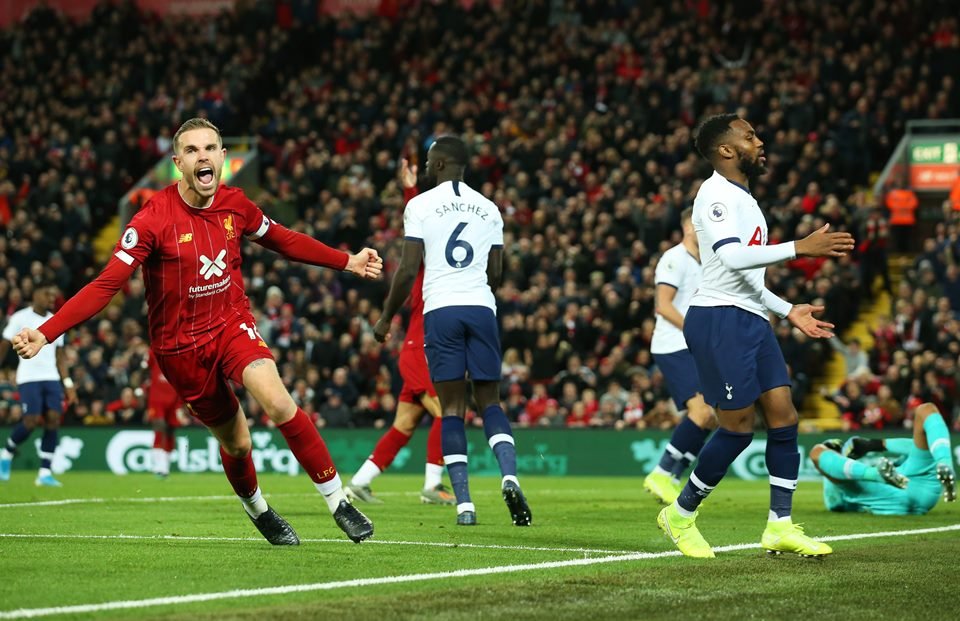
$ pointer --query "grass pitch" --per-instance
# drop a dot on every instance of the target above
(133, 539)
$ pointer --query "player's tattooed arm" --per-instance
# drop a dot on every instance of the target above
(410, 259)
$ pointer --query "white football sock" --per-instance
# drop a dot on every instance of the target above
(332, 492)
(366, 474)
(433, 476)
(255, 505)
(161, 461)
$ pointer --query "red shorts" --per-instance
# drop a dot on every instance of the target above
(416, 376)
(200, 375)
(164, 410)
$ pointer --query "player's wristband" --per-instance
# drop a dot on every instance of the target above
(68, 383)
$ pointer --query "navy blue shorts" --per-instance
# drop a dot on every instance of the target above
(680, 372)
(737, 355)
(40, 397)
(459, 339)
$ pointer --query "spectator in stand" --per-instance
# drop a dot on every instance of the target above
(902, 203)
(873, 238)
(855, 360)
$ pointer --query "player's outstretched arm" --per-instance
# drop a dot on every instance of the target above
(410, 259)
(820, 243)
(801, 316)
(823, 243)
(85, 304)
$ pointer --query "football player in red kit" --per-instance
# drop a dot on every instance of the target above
(187, 238)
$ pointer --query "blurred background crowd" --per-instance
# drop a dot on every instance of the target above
(579, 116)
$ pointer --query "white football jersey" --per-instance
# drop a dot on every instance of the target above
(458, 227)
(681, 270)
(725, 212)
(43, 366)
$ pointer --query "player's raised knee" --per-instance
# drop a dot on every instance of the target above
(923, 411)
(816, 452)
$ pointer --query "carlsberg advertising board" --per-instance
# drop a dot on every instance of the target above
(539, 451)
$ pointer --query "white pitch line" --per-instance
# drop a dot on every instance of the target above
(260, 540)
(26, 613)
(80, 501)
(158, 499)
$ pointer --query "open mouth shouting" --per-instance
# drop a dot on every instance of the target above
(206, 178)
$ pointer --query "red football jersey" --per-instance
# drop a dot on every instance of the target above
(191, 263)
(414, 337)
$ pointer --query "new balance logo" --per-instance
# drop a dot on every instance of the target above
(186, 237)
(216, 267)
(729, 389)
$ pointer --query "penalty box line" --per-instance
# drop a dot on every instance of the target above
(27, 613)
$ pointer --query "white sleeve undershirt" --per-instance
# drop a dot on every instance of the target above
(739, 257)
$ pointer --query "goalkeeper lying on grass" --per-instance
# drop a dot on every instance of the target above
(872, 484)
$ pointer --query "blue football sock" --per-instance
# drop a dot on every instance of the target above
(938, 439)
(838, 467)
(715, 458)
(17, 437)
(48, 446)
(497, 428)
(783, 464)
(684, 446)
(454, 441)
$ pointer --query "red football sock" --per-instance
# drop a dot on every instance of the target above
(159, 439)
(387, 448)
(170, 441)
(434, 442)
(308, 447)
(240, 472)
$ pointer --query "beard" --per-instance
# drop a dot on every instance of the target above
(752, 168)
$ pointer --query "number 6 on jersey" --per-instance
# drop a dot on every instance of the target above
(453, 243)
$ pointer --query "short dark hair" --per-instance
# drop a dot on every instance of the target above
(710, 132)
(453, 149)
(190, 125)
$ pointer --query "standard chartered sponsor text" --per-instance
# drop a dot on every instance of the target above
(205, 290)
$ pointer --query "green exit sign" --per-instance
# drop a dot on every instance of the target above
(939, 152)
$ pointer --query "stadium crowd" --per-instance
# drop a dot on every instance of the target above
(580, 122)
